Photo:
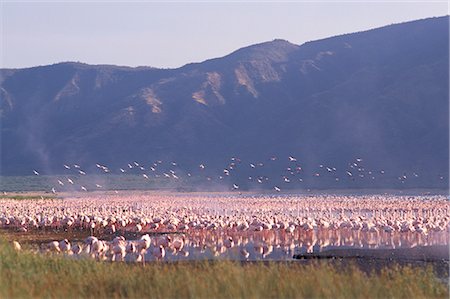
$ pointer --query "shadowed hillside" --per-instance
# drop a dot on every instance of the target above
(381, 95)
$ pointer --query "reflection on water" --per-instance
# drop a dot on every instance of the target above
(228, 226)
(259, 245)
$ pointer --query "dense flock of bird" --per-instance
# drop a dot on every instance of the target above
(290, 171)
(145, 226)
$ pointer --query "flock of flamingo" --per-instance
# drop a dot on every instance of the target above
(289, 172)
(145, 226)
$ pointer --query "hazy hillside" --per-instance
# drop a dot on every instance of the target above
(380, 95)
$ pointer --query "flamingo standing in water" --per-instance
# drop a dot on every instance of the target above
(159, 252)
(64, 245)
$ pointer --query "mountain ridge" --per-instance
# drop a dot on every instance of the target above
(242, 48)
(335, 91)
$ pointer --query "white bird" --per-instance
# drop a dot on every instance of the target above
(53, 246)
(235, 186)
(76, 165)
(64, 245)
(164, 241)
(61, 183)
(76, 249)
(98, 186)
(202, 166)
(35, 172)
(290, 229)
(178, 243)
(144, 242)
(97, 247)
(292, 159)
(81, 172)
(118, 240)
(83, 188)
(244, 253)
(122, 170)
(16, 246)
(66, 166)
(159, 252)
(70, 181)
(277, 189)
(130, 248)
(145, 176)
(53, 190)
(119, 252)
(349, 173)
(228, 242)
(90, 240)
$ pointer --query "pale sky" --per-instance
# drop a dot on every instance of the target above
(171, 34)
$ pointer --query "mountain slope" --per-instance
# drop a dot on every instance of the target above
(380, 94)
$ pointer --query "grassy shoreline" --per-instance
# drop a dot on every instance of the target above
(24, 275)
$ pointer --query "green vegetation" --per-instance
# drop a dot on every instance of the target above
(45, 183)
(25, 274)
(22, 197)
